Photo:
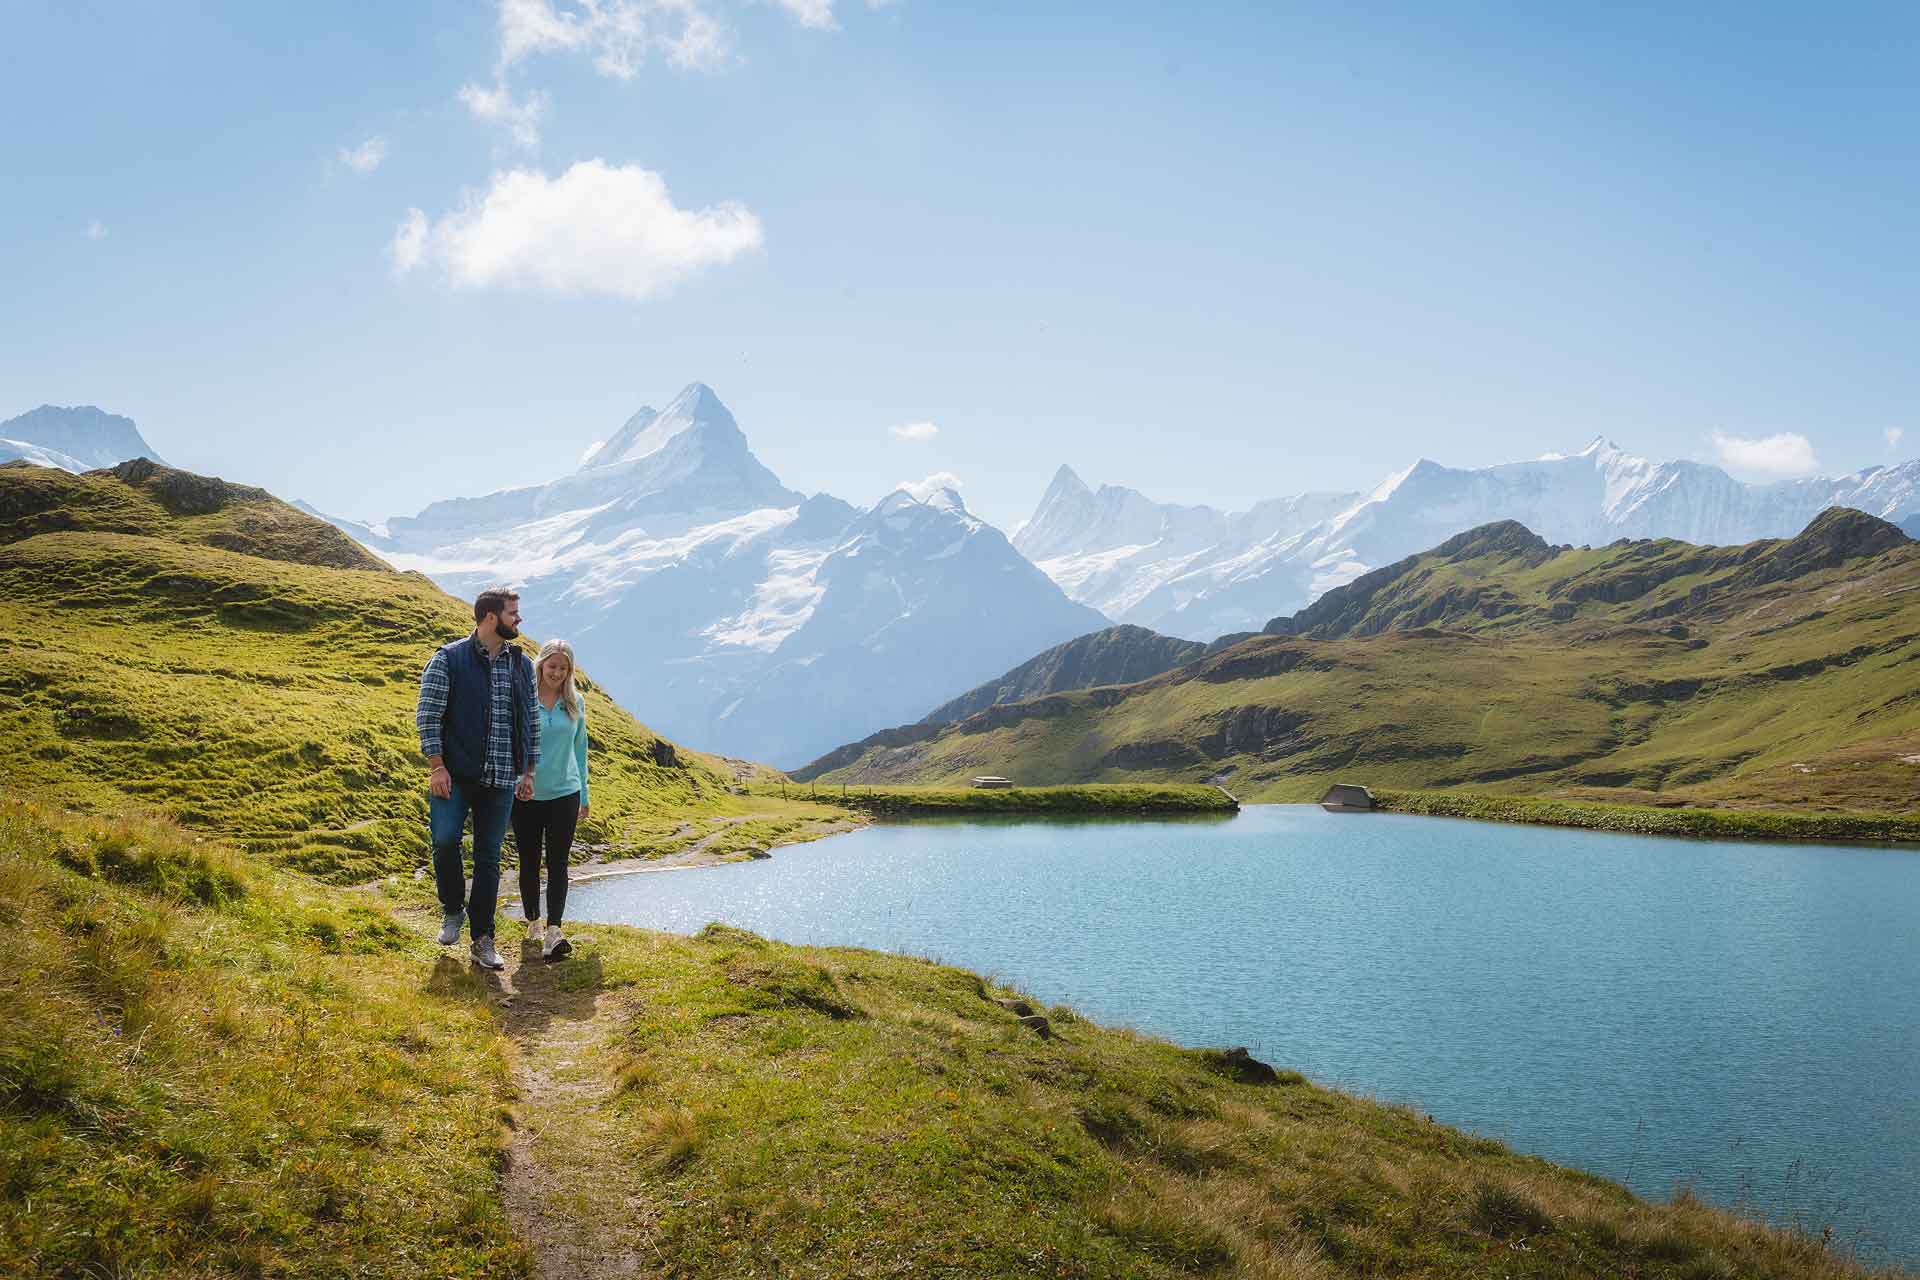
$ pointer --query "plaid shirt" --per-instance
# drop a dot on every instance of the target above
(433, 709)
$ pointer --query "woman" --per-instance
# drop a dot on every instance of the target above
(559, 796)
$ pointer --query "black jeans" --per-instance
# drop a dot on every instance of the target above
(550, 822)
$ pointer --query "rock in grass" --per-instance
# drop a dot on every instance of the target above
(1238, 1064)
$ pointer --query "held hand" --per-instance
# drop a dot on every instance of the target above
(440, 783)
(524, 791)
(583, 813)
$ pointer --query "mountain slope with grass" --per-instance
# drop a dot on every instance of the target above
(206, 650)
(212, 1067)
(1781, 673)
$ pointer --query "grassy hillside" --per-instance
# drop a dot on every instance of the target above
(1147, 798)
(1781, 674)
(209, 1067)
(168, 642)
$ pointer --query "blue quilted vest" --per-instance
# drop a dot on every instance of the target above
(469, 714)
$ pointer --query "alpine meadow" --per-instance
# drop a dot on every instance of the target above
(894, 639)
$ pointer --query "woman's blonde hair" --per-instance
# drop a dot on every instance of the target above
(569, 696)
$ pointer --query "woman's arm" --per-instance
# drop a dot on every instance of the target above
(580, 751)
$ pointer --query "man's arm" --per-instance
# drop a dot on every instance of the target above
(433, 707)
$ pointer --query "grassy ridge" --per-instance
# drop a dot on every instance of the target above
(269, 701)
(169, 644)
(1723, 824)
(1636, 673)
(894, 801)
(210, 1067)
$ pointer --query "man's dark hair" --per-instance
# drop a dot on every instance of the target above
(492, 600)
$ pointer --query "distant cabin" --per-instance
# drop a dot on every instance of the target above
(991, 781)
(1346, 797)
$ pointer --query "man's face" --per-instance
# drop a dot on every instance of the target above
(507, 621)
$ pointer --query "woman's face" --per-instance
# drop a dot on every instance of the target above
(555, 670)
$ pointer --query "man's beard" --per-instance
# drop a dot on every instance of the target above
(507, 631)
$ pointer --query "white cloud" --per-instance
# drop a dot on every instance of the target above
(1775, 456)
(1893, 435)
(597, 228)
(409, 245)
(925, 489)
(96, 230)
(497, 105)
(618, 33)
(914, 431)
(810, 13)
(366, 157)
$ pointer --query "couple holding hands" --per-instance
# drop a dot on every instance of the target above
(506, 741)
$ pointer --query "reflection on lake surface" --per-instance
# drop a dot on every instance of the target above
(1743, 1017)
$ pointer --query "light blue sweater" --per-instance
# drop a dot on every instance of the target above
(562, 769)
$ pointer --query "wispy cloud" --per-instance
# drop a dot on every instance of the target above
(1776, 457)
(595, 229)
(366, 157)
(96, 230)
(619, 34)
(810, 13)
(1893, 435)
(914, 431)
(497, 105)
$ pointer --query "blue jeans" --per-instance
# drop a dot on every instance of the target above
(491, 807)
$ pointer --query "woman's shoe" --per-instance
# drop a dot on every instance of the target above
(557, 947)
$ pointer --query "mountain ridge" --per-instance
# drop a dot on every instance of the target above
(743, 615)
(1646, 671)
(1248, 573)
(77, 437)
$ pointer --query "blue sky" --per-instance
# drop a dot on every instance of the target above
(1216, 252)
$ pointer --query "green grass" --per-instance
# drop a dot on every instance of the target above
(1724, 824)
(267, 700)
(907, 801)
(1708, 688)
(207, 1068)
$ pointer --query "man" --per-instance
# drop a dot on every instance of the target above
(481, 738)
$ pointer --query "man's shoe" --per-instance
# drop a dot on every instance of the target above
(485, 956)
(450, 927)
(557, 947)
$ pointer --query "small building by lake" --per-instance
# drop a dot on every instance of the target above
(1347, 797)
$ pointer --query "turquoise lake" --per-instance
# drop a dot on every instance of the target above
(1741, 1017)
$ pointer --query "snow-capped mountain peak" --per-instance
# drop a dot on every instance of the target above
(696, 410)
(1600, 493)
(73, 438)
(731, 612)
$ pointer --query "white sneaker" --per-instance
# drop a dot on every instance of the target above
(485, 956)
(556, 946)
(533, 928)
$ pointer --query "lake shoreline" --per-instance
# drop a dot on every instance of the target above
(1762, 825)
